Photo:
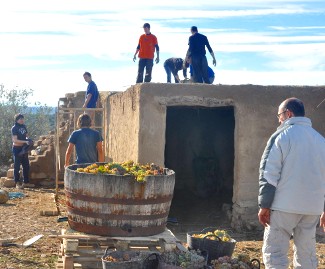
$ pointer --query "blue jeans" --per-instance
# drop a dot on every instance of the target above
(20, 160)
(169, 73)
(200, 69)
(148, 64)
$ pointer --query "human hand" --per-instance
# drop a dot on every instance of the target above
(214, 62)
(134, 58)
(264, 216)
(322, 221)
(27, 142)
(157, 60)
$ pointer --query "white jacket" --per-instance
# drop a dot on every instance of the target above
(295, 165)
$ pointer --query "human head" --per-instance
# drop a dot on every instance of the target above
(193, 29)
(19, 118)
(146, 28)
(291, 107)
(87, 77)
(84, 120)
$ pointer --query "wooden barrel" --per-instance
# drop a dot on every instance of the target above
(112, 205)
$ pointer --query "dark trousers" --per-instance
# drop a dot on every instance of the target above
(200, 69)
(20, 160)
(148, 64)
(169, 73)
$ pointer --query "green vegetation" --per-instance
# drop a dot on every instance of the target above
(39, 119)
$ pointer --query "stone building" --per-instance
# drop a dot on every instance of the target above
(213, 136)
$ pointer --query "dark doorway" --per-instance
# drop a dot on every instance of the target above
(200, 149)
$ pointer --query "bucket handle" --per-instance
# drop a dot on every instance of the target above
(107, 249)
(213, 235)
(253, 261)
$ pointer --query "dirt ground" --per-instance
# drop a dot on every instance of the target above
(21, 217)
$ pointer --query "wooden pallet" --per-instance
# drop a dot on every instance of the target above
(78, 250)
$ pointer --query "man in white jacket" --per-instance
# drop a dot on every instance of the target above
(292, 189)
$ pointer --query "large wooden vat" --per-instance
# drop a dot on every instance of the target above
(112, 205)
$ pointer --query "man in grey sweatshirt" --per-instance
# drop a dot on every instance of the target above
(292, 189)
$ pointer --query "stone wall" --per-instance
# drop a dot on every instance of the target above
(42, 165)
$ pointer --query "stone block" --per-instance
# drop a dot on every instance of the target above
(7, 182)
(2, 179)
(10, 173)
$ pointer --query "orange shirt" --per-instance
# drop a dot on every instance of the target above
(147, 45)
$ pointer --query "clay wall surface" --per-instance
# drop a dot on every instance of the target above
(122, 126)
(137, 122)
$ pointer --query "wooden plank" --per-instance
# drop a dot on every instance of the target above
(50, 209)
(71, 245)
(84, 265)
(87, 250)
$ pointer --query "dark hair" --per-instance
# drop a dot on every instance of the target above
(18, 117)
(84, 120)
(87, 74)
(296, 106)
(146, 25)
(193, 29)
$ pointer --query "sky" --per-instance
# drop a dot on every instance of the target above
(47, 45)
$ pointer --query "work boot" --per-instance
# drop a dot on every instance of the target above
(28, 185)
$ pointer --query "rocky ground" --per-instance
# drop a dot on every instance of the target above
(21, 218)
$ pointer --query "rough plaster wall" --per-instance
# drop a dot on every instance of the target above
(123, 125)
(255, 120)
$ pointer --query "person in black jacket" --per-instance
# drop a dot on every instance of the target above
(197, 43)
(172, 66)
(20, 154)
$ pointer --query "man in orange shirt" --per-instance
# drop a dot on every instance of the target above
(146, 48)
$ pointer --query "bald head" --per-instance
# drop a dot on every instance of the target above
(294, 105)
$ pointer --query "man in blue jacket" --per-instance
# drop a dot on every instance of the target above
(292, 189)
(196, 50)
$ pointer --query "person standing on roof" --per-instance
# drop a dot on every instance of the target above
(147, 45)
(197, 43)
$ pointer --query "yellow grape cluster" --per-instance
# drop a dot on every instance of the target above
(215, 235)
(125, 168)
